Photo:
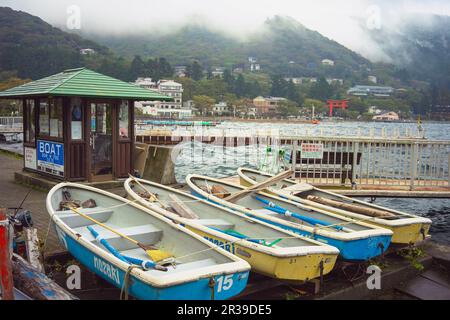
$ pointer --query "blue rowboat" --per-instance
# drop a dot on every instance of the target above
(196, 268)
(356, 241)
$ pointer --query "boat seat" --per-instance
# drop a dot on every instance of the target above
(266, 211)
(145, 234)
(74, 220)
(215, 223)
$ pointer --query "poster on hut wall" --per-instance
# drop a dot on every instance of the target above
(311, 150)
(29, 155)
(50, 157)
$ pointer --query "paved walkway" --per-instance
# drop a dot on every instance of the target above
(12, 194)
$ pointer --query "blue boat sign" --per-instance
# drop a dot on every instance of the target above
(50, 157)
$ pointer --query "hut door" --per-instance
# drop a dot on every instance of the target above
(101, 141)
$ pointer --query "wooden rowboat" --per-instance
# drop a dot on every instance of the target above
(407, 228)
(196, 269)
(270, 250)
(355, 240)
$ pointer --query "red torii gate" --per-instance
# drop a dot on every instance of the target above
(336, 104)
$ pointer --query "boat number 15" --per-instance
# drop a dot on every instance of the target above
(224, 283)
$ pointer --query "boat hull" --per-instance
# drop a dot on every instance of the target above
(296, 268)
(353, 250)
(403, 233)
(225, 286)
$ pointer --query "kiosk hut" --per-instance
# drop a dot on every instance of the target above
(79, 125)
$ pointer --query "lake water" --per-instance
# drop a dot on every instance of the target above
(217, 161)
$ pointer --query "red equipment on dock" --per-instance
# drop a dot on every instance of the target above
(6, 276)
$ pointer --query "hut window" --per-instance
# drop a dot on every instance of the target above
(56, 118)
(29, 114)
(44, 113)
(124, 123)
(50, 117)
(76, 125)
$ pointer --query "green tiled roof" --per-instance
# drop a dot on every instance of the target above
(82, 83)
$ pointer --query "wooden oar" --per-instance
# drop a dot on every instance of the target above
(154, 253)
(258, 186)
(373, 212)
(163, 205)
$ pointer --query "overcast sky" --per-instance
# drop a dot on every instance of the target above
(336, 19)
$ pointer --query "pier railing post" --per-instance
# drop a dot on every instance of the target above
(294, 157)
(413, 165)
(354, 161)
(6, 276)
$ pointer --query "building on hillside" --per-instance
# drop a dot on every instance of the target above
(388, 116)
(376, 91)
(374, 110)
(255, 67)
(165, 109)
(252, 60)
(220, 109)
(146, 83)
(294, 80)
(180, 71)
(238, 70)
(217, 72)
(87, 51)
(308, 80)
(327, 62)
(372, 79)
(335, 81)
(267, 105)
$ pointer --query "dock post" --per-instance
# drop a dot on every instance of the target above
(6, 279)
(413, 166)
(354, 161)
(294, 158)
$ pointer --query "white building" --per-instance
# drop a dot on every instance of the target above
(334, 80)
(164, 109)
(146, 83)
(220, 108)
(255, 67)
(180, 71)
(388, 116)
(217, 72)
(294, 80)
(87, 51)
(327, 62)
(372, 79)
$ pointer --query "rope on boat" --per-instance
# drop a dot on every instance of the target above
(124, 291)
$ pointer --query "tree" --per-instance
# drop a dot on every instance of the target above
(203, 103)
(239, 86)
(228, 78)
(292, 93)
(195, 71)
(321, 90)
(137, 68)
(279, 86)
(288, 108)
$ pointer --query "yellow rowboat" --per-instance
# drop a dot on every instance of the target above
(269, 250)
(407, 228)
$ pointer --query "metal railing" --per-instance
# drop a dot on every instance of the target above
(11, 122)
(374, 162)
(364, 158)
